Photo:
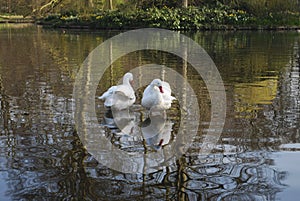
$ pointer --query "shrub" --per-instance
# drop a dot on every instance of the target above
(191, 18)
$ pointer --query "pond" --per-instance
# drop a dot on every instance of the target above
(43, 155)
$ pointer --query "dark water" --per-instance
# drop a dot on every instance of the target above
(256, 157)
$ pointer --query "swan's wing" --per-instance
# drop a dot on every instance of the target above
(150, 97)
(167, 97)
(121, 101)
(146, 100)
(108, 93)
(167, 91)
(109, 101)
(125, 91)
(166, 85)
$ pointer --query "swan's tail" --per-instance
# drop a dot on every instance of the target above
(108, 93)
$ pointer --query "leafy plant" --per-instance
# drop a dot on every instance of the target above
(219, 16)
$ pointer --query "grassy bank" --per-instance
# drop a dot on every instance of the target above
(191, 18)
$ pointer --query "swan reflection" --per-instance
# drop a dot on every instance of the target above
(120, 119)
(156, 131)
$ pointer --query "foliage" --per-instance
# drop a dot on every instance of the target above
(201, 14)
(263, 7)
(144, 4)
(171, 18)
(191, 18)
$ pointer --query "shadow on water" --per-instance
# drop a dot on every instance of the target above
(41, 156)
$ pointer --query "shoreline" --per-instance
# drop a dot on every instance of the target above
(223, 28)
(15, 19)
(91, 26)
(220, 28)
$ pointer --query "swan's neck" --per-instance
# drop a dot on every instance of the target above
(154, 88)
(156, 93)
(126, 81)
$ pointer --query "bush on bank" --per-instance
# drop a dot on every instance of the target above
(191, 18)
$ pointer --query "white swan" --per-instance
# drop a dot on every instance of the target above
(157, 96)
(121, 96)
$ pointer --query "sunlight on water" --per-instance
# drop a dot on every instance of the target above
(250, 95)
(41, 155)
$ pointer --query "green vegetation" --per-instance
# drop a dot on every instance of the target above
(171, 14)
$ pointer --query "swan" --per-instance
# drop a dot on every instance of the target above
(157, 95)
(121, 96)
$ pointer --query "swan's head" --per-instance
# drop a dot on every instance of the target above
(157, 83)
(128, 78)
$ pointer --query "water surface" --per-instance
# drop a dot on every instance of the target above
(42, 157)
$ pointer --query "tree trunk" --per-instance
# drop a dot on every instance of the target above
(91, 3)
(49, 6)
(9, 6)
(110, 4)
(185, 3)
